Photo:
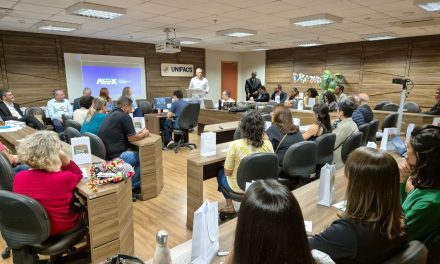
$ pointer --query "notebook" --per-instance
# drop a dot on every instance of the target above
(400, 146)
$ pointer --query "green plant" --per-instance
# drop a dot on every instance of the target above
(329, 81)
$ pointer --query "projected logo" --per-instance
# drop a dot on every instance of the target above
(107, 81)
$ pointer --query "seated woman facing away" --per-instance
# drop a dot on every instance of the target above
(270, 228)
(282, 133)
(252, 141)
(421, 203)
(372, 228)
(95, 116)
(51, 179)
(322, 124)
(79, 115)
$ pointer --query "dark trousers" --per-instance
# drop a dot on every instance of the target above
(58, 125)
(32, 120)
(168, 126)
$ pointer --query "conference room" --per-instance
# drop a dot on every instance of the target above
(203, 63)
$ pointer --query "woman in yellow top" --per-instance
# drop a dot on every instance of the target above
(253, 140)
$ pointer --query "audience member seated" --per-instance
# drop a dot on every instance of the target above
(330, 100)
(435, 110)
(311, 93)
(51, 180)
(9, 110)
(117, 131)
(263, 95)
(278, 91)
(104, 94)
(339, 92)
(13, 159)
(372, 227)
(345, 128)
(226, 97)
(56, 107)
(172, 121)
(282, 133)
(322, 124)
(79, 115)
(421, 200)
(252, 141)
(127, 93)
(294, 95)
(270, 228)
(363, 113)
(76, 104)
(95, 116)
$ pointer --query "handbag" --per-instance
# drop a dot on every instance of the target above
(123, 259)
(205, 237)
(326, 193)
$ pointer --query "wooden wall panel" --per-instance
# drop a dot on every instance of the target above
(279, 68)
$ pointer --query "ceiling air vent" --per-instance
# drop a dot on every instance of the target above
(424, 22)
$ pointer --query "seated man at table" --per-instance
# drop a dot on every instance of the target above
(278, 91)
(117, 131)
(363, 113)
(172, 121)
(435, 110)
(263, 95)
(76, 102)
(56, 107)
(226, 97)
(9, 110)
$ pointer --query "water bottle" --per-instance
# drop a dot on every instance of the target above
(219, 104)
(162, 253)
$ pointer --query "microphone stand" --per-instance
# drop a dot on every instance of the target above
(402, 103)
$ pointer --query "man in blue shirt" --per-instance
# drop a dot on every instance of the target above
(172, 121)
(56, 107)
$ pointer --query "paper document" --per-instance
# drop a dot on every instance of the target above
(341, 205)
(81, 151)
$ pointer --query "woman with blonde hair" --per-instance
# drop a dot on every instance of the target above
(105, 94)
(95, 116)
(51, 180)
(127, 93)
(372, 227)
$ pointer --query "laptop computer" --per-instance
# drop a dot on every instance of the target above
(399, 145)
(208, 104)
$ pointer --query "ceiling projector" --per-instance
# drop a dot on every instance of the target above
(169, 45)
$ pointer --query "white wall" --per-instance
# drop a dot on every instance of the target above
(247, 62)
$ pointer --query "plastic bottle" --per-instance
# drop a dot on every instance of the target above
(162, 253)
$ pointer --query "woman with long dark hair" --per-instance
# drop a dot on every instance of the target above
(311, 93)
(331, 101)
(105, 94)
(322, 124)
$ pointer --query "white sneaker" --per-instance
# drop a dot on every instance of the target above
(170, 144)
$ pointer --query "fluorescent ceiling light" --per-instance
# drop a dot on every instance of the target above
(57, 26)
(95, 11)
(236, 32)
(316, 20)
(379, 36)
(428, 5)
(259, 49)
(310, 43)
(188, 41)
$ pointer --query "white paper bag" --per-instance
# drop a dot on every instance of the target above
(267, 124)
(81, 151)
(300, 105)
(139, 123)
(371, 144)
(205, 237)
(208, 144)
(311, 102)
(326, 193)
(277, 99)
(385, 136)
(409, 130)
(297, 121)
(436, 121)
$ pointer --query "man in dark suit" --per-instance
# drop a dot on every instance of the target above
(11, 111)
(278, 91)
(262, 96)
(435, 110)
(86, 92)
(252, 85)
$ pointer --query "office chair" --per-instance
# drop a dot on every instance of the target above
(364, 129)
(267, 109)
(391, 107)
(380, 105)
(38, 111)
(6, 173)
(72, 123)
(267, 117)
(325, 145)
(25, 226)
(237, 134)
(256, 166)
(70, 133)
(299, 164)
(187, 121)
(389, 121)
(351, 143)
(373, 126)
(414, 253)
(97, 146)
(411, 107)
(146, 107)
(65, 117)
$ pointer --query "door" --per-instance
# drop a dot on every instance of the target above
(230, 77)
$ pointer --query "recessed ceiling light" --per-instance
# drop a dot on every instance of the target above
(378, 36)
(236, 32)
(316, 20)
(189, 41)
(259, 49)
(95, 11)
(428, 5)
(57, 26)
(310, 43)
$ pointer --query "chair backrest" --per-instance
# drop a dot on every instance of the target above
(300, 159)
(146, 107)
(34, 110)
(6, 173)
(267, 109)
(364, 128)
(189, 116)
(391, 107)
(23, 221)
(70, 133)
(65, 118)
(380, 105)
(72, 123)
(257, 166)
(389, 121)
(267, 117)
(351, 143)
(325, 145)
(414, 253)
(373, 126)
(97, 146)
(237, 134)
(412, 107)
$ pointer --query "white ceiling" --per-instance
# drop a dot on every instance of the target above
(146, 19)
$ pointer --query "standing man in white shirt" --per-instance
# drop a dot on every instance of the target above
(199, 82)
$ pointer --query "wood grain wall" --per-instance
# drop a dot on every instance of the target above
(367, 66)
(32, 65)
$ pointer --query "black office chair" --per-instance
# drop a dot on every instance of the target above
(267, 117)
(414, 253)
(364, 128)
(6, 173)
(72, 123)
(325, 145)
(70, 133)
(299, 164)
(411, 107)
(65, 117)
(187, 121)
(25, 226)
(267, 109)
(380, 105)
(373, 126)
(38, 113)
(353, 142)
(237, 134)
(389, 121)
(97, 146)
(256, 166)
(391, 107)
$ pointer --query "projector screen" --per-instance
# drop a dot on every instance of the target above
(111, 72)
